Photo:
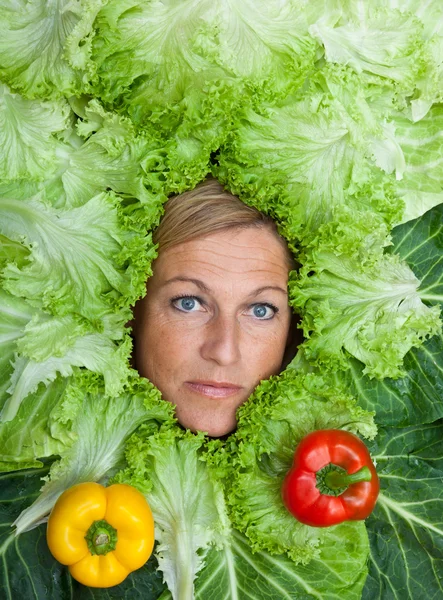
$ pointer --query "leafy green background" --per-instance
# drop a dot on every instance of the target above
(418, 396)
(28, 569)
(405, 533)
(405, 530)
(406, 527)
(233, 573)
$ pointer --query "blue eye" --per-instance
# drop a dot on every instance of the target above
(186, 303)
(264, 312)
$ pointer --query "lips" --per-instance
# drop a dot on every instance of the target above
(213, 389)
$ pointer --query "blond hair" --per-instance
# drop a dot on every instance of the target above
(206, 209)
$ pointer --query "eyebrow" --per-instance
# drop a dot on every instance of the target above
(204, 288)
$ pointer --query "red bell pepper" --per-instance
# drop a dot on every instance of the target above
(332, 479)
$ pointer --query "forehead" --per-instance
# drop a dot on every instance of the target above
(239, 254)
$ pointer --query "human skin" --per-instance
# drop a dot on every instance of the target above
(225, 333)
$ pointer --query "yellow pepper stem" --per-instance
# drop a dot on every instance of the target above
(101, 537)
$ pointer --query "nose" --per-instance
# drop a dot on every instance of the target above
(221, 341)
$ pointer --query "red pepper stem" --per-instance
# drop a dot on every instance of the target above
(336, 480)
(333, 480)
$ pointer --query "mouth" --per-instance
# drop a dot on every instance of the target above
(213, 389)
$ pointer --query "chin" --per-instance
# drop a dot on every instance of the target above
(209, 426)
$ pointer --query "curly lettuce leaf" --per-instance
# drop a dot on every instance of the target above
(357, 300)
(313, 155)
(175, 46)
(278, 415)
(101, 426)
(28, 437)
(94, 351)
(28, 135)
(70, 162)
(421, 187)
(265, 43)
(109, 156)
(374, 39)
(416, 397)
(36, 347)
(87, 260)
(15, 314)
(45, 46)
(187, 69)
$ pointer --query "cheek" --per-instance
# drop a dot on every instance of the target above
(162, 345)
(265, 355)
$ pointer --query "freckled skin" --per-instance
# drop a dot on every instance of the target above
(221, 338)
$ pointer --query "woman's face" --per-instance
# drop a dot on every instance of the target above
(214, 323)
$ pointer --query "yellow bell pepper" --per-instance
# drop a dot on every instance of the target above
(102, 534)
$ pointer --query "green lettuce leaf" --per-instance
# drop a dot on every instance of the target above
(15, 314)
(355, 299)
(414, 398)
(270, 425)
(421, 187)
(28, 135)
(45, 46)
(95, 351)
(36, 346)
(28, 437)
(68, 164)
(101, 426)
(315, 154)
(429, 86)
(76, 255)
(187, 69)
(186, 500)
(110, 157)
(172, 47)
(406, 527)
(374, 39)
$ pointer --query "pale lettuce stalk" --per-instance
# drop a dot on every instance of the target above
(186, 499)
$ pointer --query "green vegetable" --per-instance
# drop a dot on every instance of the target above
(410, 466)
(100, 426)
(356, 298)
(328, 117)
(279, 414)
